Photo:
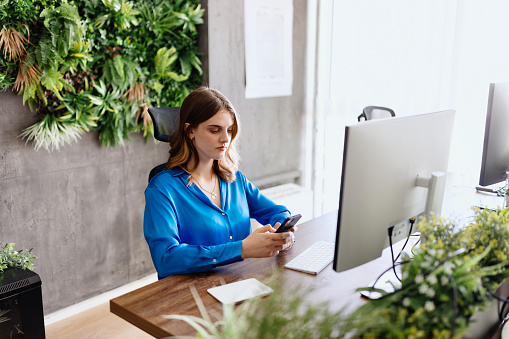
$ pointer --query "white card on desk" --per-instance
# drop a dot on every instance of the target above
(239, 291)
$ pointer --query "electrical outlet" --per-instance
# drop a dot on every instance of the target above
(399, 232)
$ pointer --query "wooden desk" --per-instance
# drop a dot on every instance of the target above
(144, 306)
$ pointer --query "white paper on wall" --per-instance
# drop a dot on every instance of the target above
(268, 47)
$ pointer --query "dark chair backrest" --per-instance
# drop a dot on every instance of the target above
(376, 112)
(166, 122)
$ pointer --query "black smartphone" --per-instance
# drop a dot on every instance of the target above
(288, 223)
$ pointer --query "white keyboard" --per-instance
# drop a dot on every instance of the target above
(314, 259)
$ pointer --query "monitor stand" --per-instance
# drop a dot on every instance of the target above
(436, 189)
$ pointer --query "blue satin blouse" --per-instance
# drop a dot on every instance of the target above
(186, 232)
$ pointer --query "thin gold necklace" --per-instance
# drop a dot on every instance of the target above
(213, 193)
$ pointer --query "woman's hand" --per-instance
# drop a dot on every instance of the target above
(264, 242)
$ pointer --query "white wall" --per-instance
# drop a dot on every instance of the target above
(395, 53)
(481, 56)
(414, 57)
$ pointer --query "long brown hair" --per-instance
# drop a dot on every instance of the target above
(199, 106)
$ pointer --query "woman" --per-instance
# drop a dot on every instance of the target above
(197, 211)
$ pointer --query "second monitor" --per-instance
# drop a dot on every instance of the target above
(495, 156)
(393, 169)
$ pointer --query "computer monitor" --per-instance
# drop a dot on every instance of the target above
(393, 169)
(495, 156)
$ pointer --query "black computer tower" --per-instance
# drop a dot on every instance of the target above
(21, 313)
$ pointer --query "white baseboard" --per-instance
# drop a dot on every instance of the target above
(97, 300)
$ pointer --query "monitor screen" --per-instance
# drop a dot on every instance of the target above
(385, 163)
(495, 156)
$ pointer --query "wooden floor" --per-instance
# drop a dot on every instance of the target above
(97, 322)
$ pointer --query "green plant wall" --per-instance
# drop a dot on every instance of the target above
(98, 65)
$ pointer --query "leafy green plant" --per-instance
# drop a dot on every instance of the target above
(120, 73)
(163, 61)
(19, 20)
(78, 64)
(52, 133)
(45, 79)
(78, 109)
(161, 19)
(63, 30)
(449, 279)
(119, 13)
(6, 81)
(117, 116)
(17, 259)
(189, 17)
(27, 11)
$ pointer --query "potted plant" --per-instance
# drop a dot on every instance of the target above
(17, 259)
(11, 259)
(452, 276)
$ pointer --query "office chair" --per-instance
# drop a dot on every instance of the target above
(376, 112)
(166, 122)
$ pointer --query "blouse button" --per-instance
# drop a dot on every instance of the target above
(214, 260)
(231, 237)
(223, 213)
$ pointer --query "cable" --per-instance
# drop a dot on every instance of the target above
(390, 230)
(455, 304)
(449, 257)
(416, 243)
(505, 302)
(501, 191)
(382, 274)
(501, 311)
(497, 297)
(412, 221)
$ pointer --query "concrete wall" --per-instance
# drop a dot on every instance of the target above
(271, 127)
(81, 208)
